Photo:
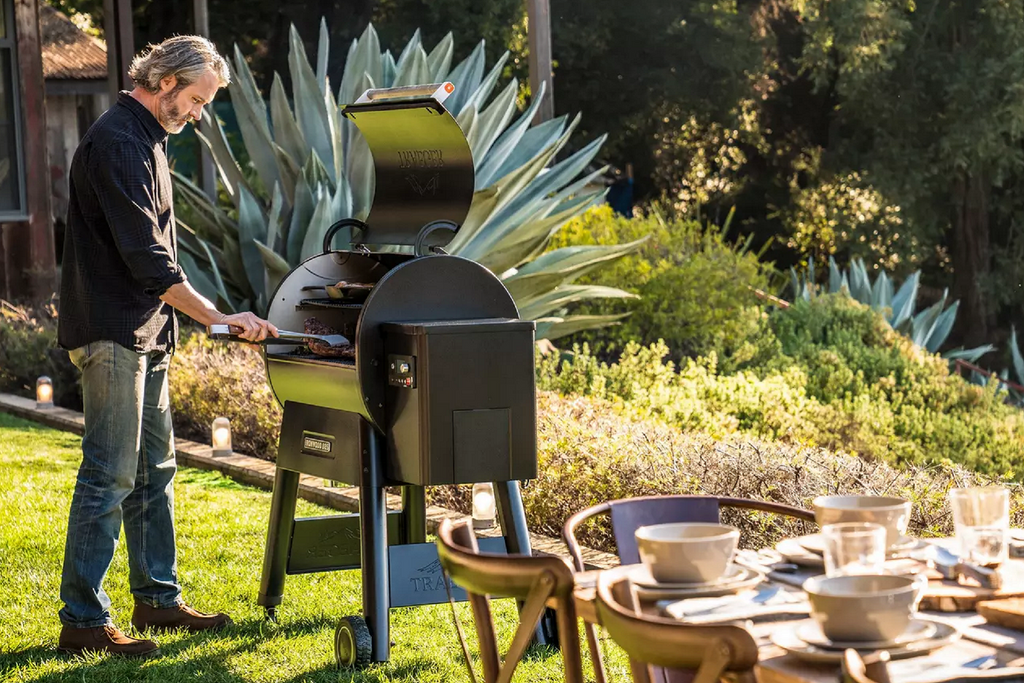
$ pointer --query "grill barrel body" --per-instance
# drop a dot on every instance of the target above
(406, 289)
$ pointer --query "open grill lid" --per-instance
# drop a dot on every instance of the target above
(422, 162)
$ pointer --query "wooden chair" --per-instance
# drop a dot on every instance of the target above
(868, 669)
(667, 644)
(629, 514)
(533, 580)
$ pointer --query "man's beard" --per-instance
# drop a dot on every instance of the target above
(170, 115)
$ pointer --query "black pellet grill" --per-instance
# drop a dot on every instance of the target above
(440, 389)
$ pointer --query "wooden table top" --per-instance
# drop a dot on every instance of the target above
(980, 641)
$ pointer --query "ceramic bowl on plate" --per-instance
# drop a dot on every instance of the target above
(866, 607)
(687, 552)
(891, 513)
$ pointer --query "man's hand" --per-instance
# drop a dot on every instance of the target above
(193, 304)
(252, 327)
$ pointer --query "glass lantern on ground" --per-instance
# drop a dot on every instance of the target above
(44, 392)
(484, 512)
(221, 436)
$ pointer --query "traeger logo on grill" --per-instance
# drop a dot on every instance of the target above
(319, 444)
(421, 188)
(420, 158)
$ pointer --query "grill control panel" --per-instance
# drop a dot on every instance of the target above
(402, 371)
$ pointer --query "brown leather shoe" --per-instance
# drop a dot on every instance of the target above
(104, 639)
(179, 616)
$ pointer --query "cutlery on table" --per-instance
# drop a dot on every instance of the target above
(951, 566)
(763, 563)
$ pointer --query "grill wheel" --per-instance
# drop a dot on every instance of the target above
(353, 645)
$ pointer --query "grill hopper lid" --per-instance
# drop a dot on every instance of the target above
(423, 165)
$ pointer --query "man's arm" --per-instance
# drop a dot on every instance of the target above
(122, 176)
(124, 182)
(183, 297)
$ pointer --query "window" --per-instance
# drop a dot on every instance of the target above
(12, 187)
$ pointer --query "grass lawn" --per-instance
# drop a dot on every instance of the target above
(221, 529)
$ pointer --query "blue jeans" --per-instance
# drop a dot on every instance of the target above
(127, 472)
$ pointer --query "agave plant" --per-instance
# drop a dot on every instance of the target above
(928, 328)
(1016, 394)
(311, 167)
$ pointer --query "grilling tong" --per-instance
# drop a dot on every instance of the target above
(230, 333)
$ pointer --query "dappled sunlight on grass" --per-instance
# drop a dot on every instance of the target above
(221, 528)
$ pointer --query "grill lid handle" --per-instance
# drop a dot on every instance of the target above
(423, 164)
(354, 223)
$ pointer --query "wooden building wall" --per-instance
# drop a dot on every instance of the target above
(28, 267)
(68, 117)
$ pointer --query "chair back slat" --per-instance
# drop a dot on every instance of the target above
(710, 650)
(869, 668)
(533, 580)
(630, 514)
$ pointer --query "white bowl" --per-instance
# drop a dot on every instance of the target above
(891, 513)
(687, 552)
(863, 608)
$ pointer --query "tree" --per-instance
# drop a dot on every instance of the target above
(880, 129)
(930, 102)
(635, 68)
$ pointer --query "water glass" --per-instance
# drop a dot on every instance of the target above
(854, 548)
(981, 517)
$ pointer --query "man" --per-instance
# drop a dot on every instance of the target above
(120, 281)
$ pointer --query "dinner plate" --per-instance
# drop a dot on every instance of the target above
(788, 638)
(737, 578)
(815, 543)
(792, 551)
(919, 629)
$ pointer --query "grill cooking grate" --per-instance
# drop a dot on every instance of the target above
(307, 304)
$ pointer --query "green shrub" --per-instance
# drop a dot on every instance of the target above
(696, 289)
(603, 446)
(590, 452)
(828, 373)
(28, 349)
(210, 379)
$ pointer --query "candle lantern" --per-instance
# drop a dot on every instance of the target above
(221, 436)
(44, 392)
(484, 512)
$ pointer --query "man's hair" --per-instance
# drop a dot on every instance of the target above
(186, 57)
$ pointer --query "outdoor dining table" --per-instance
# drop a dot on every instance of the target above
(981, 646)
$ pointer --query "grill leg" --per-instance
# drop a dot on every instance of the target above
(414, 514)
(513, 527)
(279, 534)
(512, 517)
(374, 546)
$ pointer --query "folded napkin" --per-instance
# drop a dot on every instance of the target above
(950, 668)
(766, 600)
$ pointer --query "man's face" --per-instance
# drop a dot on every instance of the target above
(178, 108)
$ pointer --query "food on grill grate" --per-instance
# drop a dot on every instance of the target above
(315, 326)
(345, 284)
(346, 289)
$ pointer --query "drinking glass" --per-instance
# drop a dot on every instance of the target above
(854, 548)
(981, 517)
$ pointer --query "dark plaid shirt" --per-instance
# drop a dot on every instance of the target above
(120, 249)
